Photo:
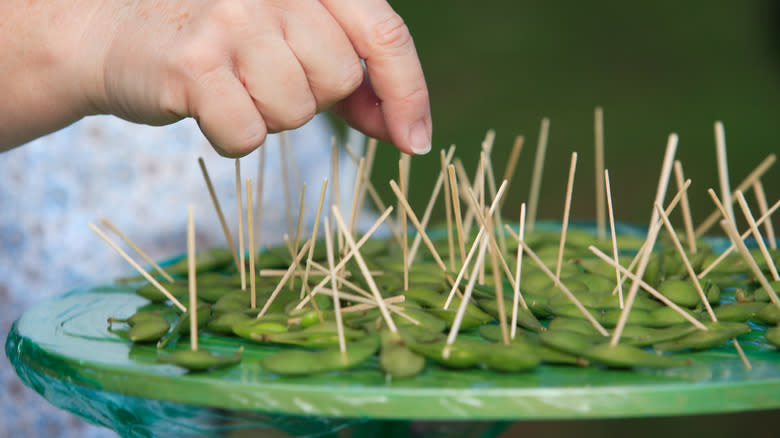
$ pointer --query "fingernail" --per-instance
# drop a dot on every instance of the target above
(419, 140)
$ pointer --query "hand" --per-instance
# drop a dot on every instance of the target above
(245, 68)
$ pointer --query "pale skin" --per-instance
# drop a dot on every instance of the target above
(240, 68)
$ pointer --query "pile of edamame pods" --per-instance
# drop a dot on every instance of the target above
(550, 331)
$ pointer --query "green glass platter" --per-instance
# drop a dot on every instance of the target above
(64, 349)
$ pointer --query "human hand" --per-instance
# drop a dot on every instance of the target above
(245, 68)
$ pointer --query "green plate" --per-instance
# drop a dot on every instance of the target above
(66, 340)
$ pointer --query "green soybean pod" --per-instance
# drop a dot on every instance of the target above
(199, 360)
(136, 318)
(463, 353)
(151, 293)
(224, 323)
(627, 356)
(203, 314)
(511, 358)
(300, 363)
(738, 312)
(716, 334)
(400, 362)
(149, 330)
(568, 342)
(773, 336)
(632, 335)
(680, 292)
(769, 314)
(525, 318)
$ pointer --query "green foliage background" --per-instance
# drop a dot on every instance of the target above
(655, 67)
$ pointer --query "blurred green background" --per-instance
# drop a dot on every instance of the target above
(655, 67)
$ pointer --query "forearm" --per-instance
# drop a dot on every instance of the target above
(43, 69)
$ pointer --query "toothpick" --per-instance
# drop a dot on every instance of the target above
(754, 176)
(731, 230)
(283, 146)
(284, 279)
(652, 291)
(336, 302)
(477, 210)
(566, 211)
(613, 233)
(758, 189)
(298, 229)
(335, 191)
(251, 239)
(743, 236)
(429, 207)
(598, 130)
(138, 268)
(366, 274)
(222, 221)
(723, 170)
(564, 289)
(757, 235)
(239, 200)
(686, 208)
(686, 262)
(511, 164)
(499, 287)
(259, 201)
(404, 230)
(355, 214)
(447, 209)
(517, 297)
(305, 283)
(348, 256)
(536, 179)
(487, 148)
(456, 207)
(466, 298)
(192, 275)
(137, 249)
(367, 171)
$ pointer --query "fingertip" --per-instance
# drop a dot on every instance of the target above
(420, 138)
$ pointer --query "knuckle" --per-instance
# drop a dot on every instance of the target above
(391, 34)
(414, 96)
(350, 81)
(296, 117)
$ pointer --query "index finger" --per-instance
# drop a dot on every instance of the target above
(380, 37)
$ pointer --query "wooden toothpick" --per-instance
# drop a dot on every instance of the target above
(140, 252)
(613, 234)
(448, 209)
(251, 239)
(499, 288)
(456, 210)
(566, 212)
(284, 163)
(310, 257)
(192, 275)
(536, 179)
(686, 208)
(511, 164)
(723, 170)
(757, 235)
(336, 302)
(598, 132)
(222, 221)
(239, 200)
(335, 190)
(138, 268)
(517, 297)
(404, 230)
(284, 279)
(758, 189)
(259, 197)
(298, 229)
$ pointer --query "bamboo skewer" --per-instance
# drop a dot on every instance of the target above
(366, 274)
(138, 268)
(239, 200)
(335, 191)
(429, 207)
(613, 234)
(334, 290)
(284, 279)
(757, 235)
(743, 236)
(754, 176)
(598, 132)
(251, 239)
(140, 252)
(192, 275)
(536, 179)
(221, 217)
(284, 163)
(758, 190)
(517, 297)
(686, 208)
(566, 212)
(650, 289)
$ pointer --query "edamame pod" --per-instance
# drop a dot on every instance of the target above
(627, 356)
(149, 329)
(199, 360)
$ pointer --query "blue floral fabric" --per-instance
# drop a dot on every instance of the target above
(142, 179)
